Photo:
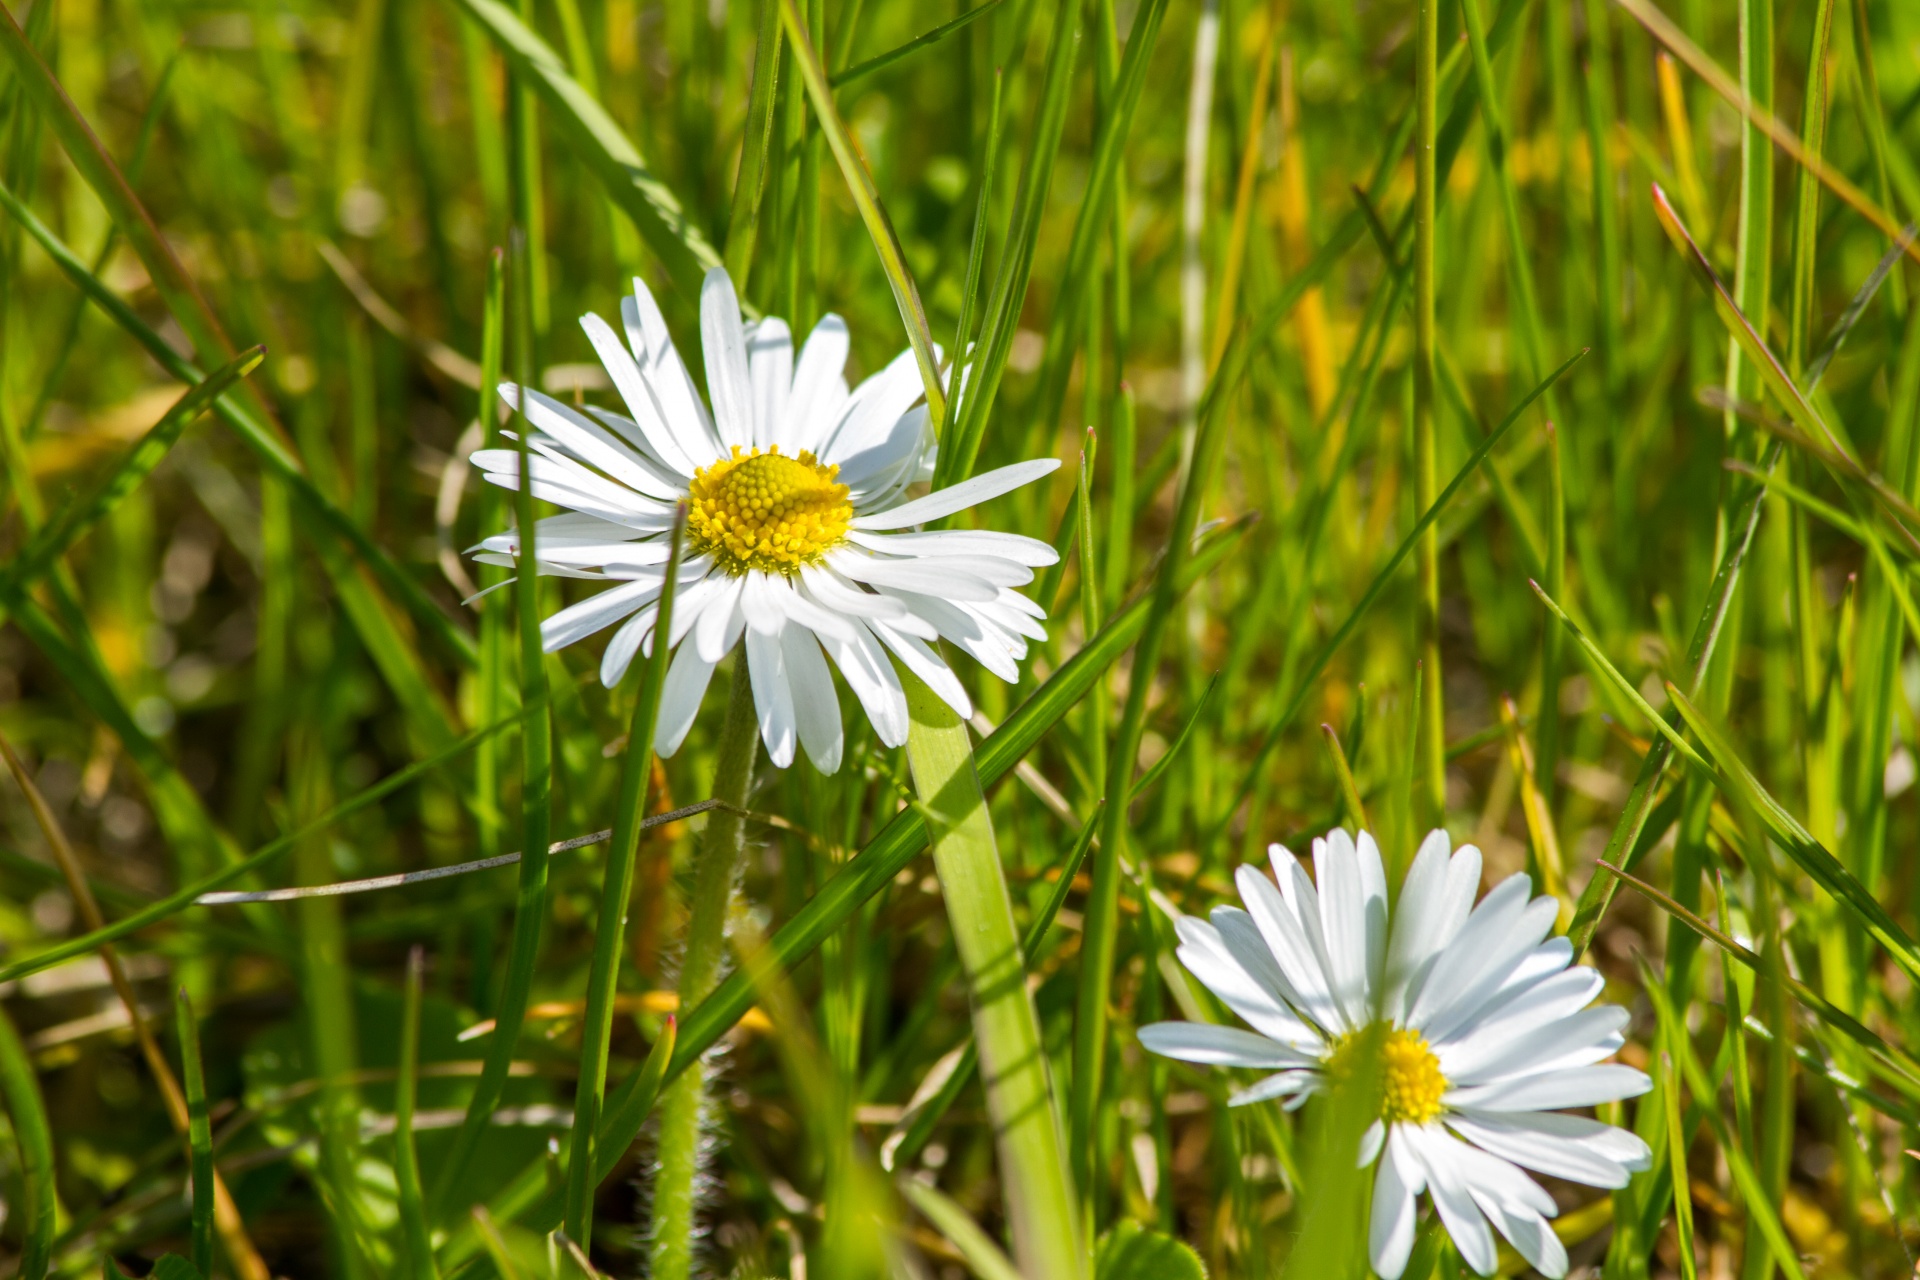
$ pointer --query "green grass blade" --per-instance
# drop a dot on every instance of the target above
(1813, 858)
(268, 448)
(66, 526)
(536, 778)
(886, 243)
(602, 147)
(616, 891)
(975, 1247)
(199, 1134)
(1038, 1190)
(406, 1161)
(33, 1137)
(1304, 688)
(919, 42)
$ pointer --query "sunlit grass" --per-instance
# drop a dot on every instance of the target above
(1578, 518)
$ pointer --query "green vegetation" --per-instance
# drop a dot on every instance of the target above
(1500, 415)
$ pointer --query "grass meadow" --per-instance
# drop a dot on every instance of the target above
(1500, 416)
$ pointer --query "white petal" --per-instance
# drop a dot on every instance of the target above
(1561, 1146)
(1390, 1234)
(1496, 937)
(770, 366)
(680, 406)
(958, 497)
(997, 650)
(1287, 1084)
(646, 411)
(1579, 1087)
(926, 664)
(1013, 547)
(724, 343)
(829, 590)
(760, 602)
(1370, 1143)
(680, 696)
(625, 643)
(816, 711)
(873, 680)
(772, 698)
(813, 409)
(1216, 1046)
(590, 442)
(866, 439)
(928, 577)
(720, 622)
(1268, 1004)
(1530, 1041)
(1446, 1182)
(1304, 970)
(595, 613)
(1343, 923)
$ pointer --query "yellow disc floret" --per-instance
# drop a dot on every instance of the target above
(1411, 1085)
(762, 510)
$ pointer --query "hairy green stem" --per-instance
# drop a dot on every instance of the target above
(670, 1254)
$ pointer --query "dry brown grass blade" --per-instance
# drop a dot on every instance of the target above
(241, 1254)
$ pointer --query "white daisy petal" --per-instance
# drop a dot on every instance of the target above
(816, 711)
(1287, 1084)
(681, 408)
(1558, 1145)
(625, 644)
(1580, 1087)
(631, 383)
(925, 663)
(1304, 969)
(1012, 547)
(723, 341)
(1447, 1182)
(596, 613)
(958, 497)
(863, 661)
(770, 369)
(1395, 1211)
(1218, 1046)
(928, 577)
(819, 391)
(1217, 954)
(865, 439)
(772, 696)
(680, 696)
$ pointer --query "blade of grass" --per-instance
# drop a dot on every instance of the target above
(33, 1138)
(863, 876)
(616, 891)
(1898, 1068)
(1812, 857)
(73, 520)
(1669, 1089)
(1430, 794)
(406, 1161)
(960, 442)
(1038, 1189)
(1661, 28)
(919, 42)
(1763, 1213)
(1304, 688)
(199, 1135)
(602, 147)
(975, 1247)
(536, 778)
(853, 167)
(750, 186)
(271, 452)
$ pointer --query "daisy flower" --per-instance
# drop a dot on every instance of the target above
(1484, 1032)
(799, 525)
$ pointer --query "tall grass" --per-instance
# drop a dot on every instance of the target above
(1360, 538)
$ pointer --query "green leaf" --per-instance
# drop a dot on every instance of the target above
(174, 1267)
(600, 145)
(1131, 1252)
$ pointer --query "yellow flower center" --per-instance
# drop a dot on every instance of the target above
(1411, 1085)
(761, 510)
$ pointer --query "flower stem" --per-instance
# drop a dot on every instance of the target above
(1013, 1062)
(1430, 788)
(671, 1251)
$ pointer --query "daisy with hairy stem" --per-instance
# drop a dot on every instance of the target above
(800, 543)
(799, 526)
(1485, 1033)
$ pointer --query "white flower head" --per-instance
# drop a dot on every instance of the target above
(797, 528)
(1484, 1032)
